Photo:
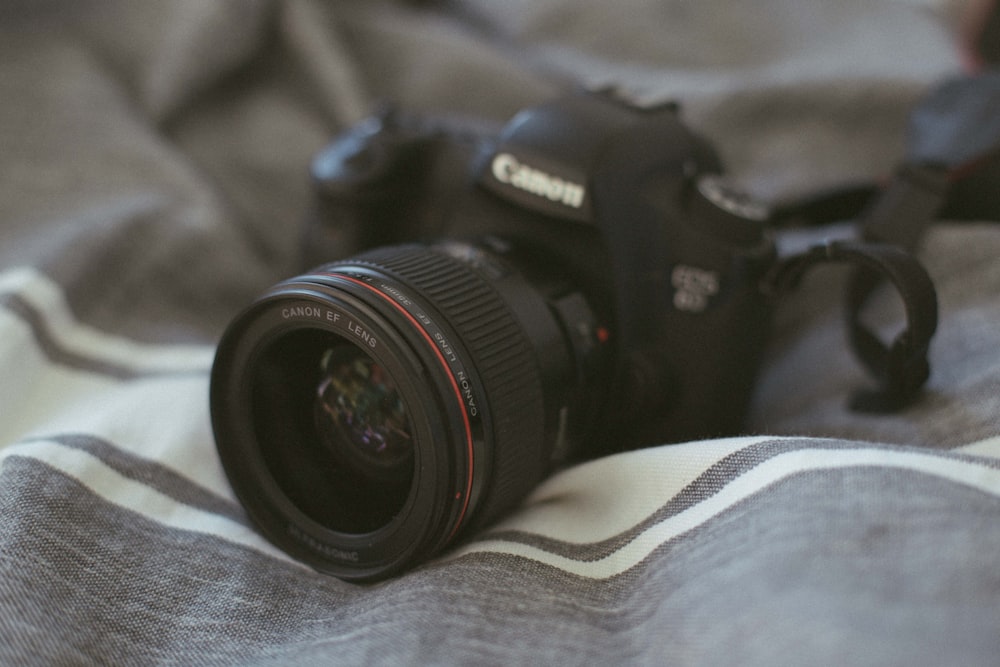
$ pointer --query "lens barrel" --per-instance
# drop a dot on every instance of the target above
(367, 412)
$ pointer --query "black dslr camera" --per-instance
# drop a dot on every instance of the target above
(578, 283)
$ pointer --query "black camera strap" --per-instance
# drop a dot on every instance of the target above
(901, 367)
(952, 170)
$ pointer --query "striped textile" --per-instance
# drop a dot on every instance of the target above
(152, 179)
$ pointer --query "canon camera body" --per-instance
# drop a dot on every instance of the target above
(487, 305)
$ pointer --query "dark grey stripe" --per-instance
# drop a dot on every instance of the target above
(56, 353)
(152, 474)
(816, 570)
(704, 486)
(145, 592)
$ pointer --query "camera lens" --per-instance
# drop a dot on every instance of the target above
(361, 417)
(331, 428)
(367, 412)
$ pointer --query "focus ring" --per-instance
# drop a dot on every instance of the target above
(501, 356)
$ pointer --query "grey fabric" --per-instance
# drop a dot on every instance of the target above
(153, 179)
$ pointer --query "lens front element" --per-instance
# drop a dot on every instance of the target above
(324, 451)
(361, 417)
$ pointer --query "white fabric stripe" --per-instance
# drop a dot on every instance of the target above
(47, 298)
(597, 500)
(115, 488)
(740, 488)
(32, 387)
(159, 417)
(989, 447)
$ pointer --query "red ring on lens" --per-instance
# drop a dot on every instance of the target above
(451, 379)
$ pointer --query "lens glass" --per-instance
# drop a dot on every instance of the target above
(361, 417)
(333, 430)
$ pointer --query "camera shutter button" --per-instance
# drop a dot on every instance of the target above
(727, 213)
(368, 158)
